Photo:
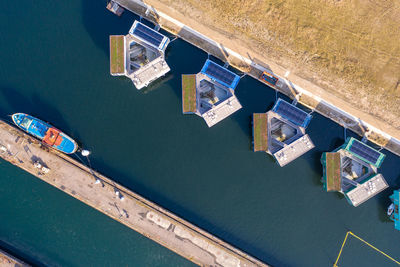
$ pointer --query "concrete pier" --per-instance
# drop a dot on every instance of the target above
(6, 260)
(118, 202)
(303, 91)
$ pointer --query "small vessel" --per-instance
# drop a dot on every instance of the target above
(269, 78)
(390, 209)
(49, 135)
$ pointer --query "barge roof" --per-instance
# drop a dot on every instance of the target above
(294, 150)
(222, 111)
(366, 190)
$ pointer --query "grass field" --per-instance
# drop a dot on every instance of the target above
(189, 93)
(333, 171)
(117, 54)
(260, 131)
(350, 48)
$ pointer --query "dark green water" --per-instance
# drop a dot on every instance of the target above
(54, 65)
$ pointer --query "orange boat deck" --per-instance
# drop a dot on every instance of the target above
(52, 137)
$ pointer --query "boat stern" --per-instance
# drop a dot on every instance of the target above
(67, 145)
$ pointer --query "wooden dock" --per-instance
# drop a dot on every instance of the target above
(118, 202)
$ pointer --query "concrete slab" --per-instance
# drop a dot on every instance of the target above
(125, 206)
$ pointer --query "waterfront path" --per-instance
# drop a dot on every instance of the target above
(118, 202)
(6, 260)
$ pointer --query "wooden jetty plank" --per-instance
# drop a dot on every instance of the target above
(118, 202)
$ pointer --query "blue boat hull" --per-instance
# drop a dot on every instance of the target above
(46, 133)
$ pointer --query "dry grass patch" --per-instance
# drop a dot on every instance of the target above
(189, 93)
(260, 134)
(350, 47)
(117, 52)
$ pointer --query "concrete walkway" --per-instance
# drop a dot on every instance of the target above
(118, 202)
(6, 260)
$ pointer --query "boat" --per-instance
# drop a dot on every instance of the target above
(390, 209)
(46, 133)
(269, 78)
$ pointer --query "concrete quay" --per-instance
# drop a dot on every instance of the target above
(118, 202)
(6, 260)
(305, 92)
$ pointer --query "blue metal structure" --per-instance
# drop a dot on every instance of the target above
(292, 113)
(395, 215)
(149, 35)
(220, 74)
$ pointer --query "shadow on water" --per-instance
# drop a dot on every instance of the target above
(101, 23)
(254, 98)
(155, 85)
(384, 202)
(34, 106)
(17, 253)
(315, 162)
(17, 101)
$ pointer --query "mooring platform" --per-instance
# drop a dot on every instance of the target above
(118, 202)
(281, 132)
(352, 169)
(139, 55)
(210, 93)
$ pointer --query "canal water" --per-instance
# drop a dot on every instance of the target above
(55, 65)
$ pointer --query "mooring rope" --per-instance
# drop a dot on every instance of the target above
(341, 249)
(365, 242)
(90, 166)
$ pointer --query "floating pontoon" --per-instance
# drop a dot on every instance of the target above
(281, 132)
(139, 55)
(352, 170)
(210, 93)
